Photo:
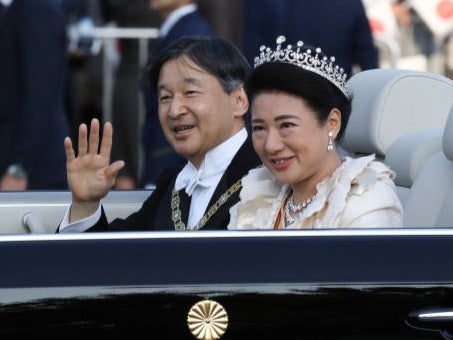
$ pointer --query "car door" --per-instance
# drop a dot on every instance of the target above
(338, 284)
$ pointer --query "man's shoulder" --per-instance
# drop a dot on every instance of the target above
(246, 155)
(167, 176)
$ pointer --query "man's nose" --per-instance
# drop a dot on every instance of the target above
(177, 107)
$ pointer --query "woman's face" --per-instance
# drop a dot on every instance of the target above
(290, 141)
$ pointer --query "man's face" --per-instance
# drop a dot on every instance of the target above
(195, 112)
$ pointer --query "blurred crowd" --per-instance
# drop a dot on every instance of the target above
(361, 34)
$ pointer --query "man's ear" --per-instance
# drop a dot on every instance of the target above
(241, 102)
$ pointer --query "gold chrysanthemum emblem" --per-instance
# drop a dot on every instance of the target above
(207, 320)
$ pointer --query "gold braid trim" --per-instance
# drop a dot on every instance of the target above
(176, 211)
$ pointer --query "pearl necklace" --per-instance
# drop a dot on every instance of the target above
(291, 207)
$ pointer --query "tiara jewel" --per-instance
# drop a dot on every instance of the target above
(308, 59)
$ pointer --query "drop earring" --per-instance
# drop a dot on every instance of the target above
(330, 145)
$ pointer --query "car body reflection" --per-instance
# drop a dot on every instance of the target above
(342, 284)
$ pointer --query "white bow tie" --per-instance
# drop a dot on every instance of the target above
(190, 178)
(193, 182)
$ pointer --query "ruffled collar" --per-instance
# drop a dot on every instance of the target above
(262, 196)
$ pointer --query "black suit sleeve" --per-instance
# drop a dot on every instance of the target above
(145, 218)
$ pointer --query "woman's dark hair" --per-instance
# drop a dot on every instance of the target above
(318, 92)
(214, 55)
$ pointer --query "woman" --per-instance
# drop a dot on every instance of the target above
(300, 105)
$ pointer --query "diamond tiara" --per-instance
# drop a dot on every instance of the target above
(307, 59)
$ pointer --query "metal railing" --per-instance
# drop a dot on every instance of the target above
(108, 36)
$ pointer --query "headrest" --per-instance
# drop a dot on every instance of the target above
(447, 141)
(389, 103)
(409, 152)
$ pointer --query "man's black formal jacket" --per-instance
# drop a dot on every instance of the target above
(156, 212)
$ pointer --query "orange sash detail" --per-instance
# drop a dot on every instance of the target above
(278, 220)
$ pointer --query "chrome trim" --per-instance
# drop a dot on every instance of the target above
(229, 234)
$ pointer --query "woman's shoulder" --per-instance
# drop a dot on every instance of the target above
(260, 198)
(355, 176)
(259, 182)
(375, 180)
(367, 167)
(364, 186)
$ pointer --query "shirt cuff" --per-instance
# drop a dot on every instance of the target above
(79, 226)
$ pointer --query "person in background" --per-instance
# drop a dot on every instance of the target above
(33, 69)
(83, 87)
(415, 37)
(340, 27)
(127, 110)
(202, 104)
(300, 106)
(3, 5)
(181, 18)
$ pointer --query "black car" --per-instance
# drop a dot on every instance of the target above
(323, 284)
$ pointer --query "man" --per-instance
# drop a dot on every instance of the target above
(339, 28)
(127, 115)
(181, 18)
(202, 104)
(33, 66)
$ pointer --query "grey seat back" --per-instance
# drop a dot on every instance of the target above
(430, 199)
(408, 154)
(390, 103)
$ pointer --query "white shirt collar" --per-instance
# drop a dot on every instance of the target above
(214, 164)
(174, 17)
